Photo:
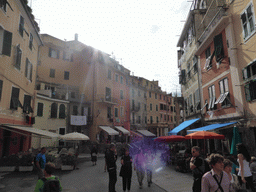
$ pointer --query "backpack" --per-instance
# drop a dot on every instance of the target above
(51, 185)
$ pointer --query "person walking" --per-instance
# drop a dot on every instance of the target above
(196, 165)
(244, 173)
(139, 166)
(94, 154)
(49, 182)
(216, 180)
(126, 170)
(233, 177)
(111, 157)
(149, 166)
(40, 162)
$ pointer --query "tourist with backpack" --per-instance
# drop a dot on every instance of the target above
(49, 183)
(199, 166)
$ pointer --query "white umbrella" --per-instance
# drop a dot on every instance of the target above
(74, 137)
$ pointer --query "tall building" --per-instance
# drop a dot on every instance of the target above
(19, 44)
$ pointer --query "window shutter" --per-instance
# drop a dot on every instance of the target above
(50, 52)
(31, 71)
(1, 88)
(247, 92)
(7, 43)
(26, 68)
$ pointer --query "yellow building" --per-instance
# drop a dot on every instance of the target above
(19, 43)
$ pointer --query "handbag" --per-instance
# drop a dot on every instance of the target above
(121, 174)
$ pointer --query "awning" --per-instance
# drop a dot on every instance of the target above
(211, 127)
(123, 130)
(146, 133)
(35, 131)
(136, 134)
(182, 126)
(109, 130)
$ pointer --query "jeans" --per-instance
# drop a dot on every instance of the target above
(149, 176)
(112, 181)
(140, 174)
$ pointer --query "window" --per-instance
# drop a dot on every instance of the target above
(15, 103)
(250, 91)
(157, 120)
(75, 110)
(108, 94)
(133, 104)
(21, 26)
(155, 95)
(145, 118)
(249, 72)
(5, 42)
(160, 96)
(121, 79)
(139, 120)
(3, 5)
(248, 23)
(188, 74)
(18, 57)
(73, 95)
(149, 94)
(150, 106)
(224, 97)
(62, 111)
(195, 63)
(66, 75)
(109, 74)
(52, 73)
(133, 93)
(1, 89)
(30, 41)
(116, 112)
(40, 109)
(121, 94)
(66, 56)
(151, 119)
(109, 112)
(54, 109)
(197, 100)
(190, 103)
(145, 95)
(84, 111)
(28, 70)
(116, 78)
(121, 111)
(54, 53)
(202, 4)
(156, 107)
(209, 57)
(218, 47)
(211, 91)
(27, 104)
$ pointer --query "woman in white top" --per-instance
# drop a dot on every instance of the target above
(244, 173)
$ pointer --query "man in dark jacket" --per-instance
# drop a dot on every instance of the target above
(196, 165)
(111, 157)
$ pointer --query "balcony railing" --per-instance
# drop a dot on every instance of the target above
(106, 99)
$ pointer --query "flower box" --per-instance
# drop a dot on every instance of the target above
(7, 168)
(67, 167)
(26, 168)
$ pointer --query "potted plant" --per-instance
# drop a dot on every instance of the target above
(26, 162)
(68, 162)
(9, 163)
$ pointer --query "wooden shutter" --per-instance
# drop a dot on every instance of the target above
(40, 107)
(247, 92)
(7, 43)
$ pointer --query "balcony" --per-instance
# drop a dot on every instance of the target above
(135, 108)
(106, 99)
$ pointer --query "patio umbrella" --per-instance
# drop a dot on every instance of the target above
(170, 138)
(235, 140)
(74, 137)
(204, 135)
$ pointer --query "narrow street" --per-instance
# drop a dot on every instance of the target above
(93, 179)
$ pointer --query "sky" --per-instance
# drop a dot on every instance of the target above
(142, 34)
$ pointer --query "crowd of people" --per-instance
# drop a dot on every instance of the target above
(222, 174)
